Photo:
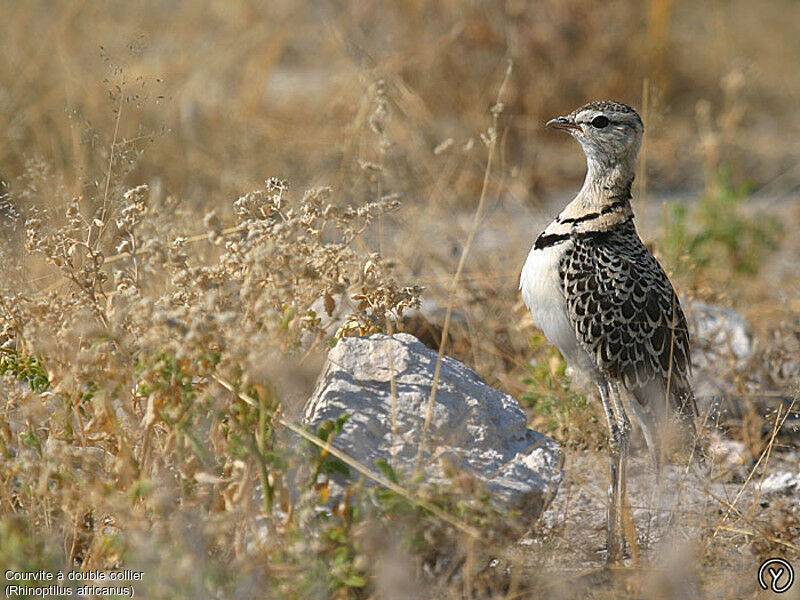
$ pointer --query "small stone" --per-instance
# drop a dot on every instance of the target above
(721, 345)
(784, 482)
(719, 333)
(726, 452)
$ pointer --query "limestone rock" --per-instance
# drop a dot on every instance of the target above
(722, 345)
(783, 482)
(384, 384)
(719, 334)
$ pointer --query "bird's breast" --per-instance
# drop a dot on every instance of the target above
(542, 292)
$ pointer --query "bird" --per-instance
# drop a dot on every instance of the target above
(601, 297)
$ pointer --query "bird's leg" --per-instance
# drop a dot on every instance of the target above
(624, 429)
(613, 529)
(656, 452)
(649, 424)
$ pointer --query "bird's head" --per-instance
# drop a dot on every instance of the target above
(610, 133)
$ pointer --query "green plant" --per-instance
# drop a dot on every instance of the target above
(719, 233)
(325, 463)
(25, 368)
(556, 406)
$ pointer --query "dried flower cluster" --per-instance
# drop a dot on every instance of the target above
(114, 369)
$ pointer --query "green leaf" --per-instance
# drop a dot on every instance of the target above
(386, 469)
(354, 581)
(334, 465)
(340, 421)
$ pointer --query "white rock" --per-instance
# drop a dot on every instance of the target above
(473, 427)
(721, 345)
(719, 333)
(784, 482)
(725, 452)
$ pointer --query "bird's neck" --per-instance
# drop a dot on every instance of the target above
(602, 203)
(606, 183)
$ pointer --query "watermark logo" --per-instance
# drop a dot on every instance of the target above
(778, 572)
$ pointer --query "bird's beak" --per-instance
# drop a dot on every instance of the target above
(565, 123)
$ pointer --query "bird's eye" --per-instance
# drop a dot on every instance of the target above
(600, 122)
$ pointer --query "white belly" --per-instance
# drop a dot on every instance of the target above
(541, 290)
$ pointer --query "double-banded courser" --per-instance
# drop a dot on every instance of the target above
(600, 297)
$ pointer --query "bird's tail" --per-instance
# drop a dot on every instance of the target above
(667, 412)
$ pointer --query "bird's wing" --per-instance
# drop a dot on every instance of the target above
(627, 316)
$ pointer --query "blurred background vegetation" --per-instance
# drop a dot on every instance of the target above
(223, 94)
(388, 103)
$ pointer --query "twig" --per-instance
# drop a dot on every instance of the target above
(104, 211)
(756, 528)
(496, 110)
(765, 453)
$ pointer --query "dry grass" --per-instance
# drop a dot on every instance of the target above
(167, 302)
